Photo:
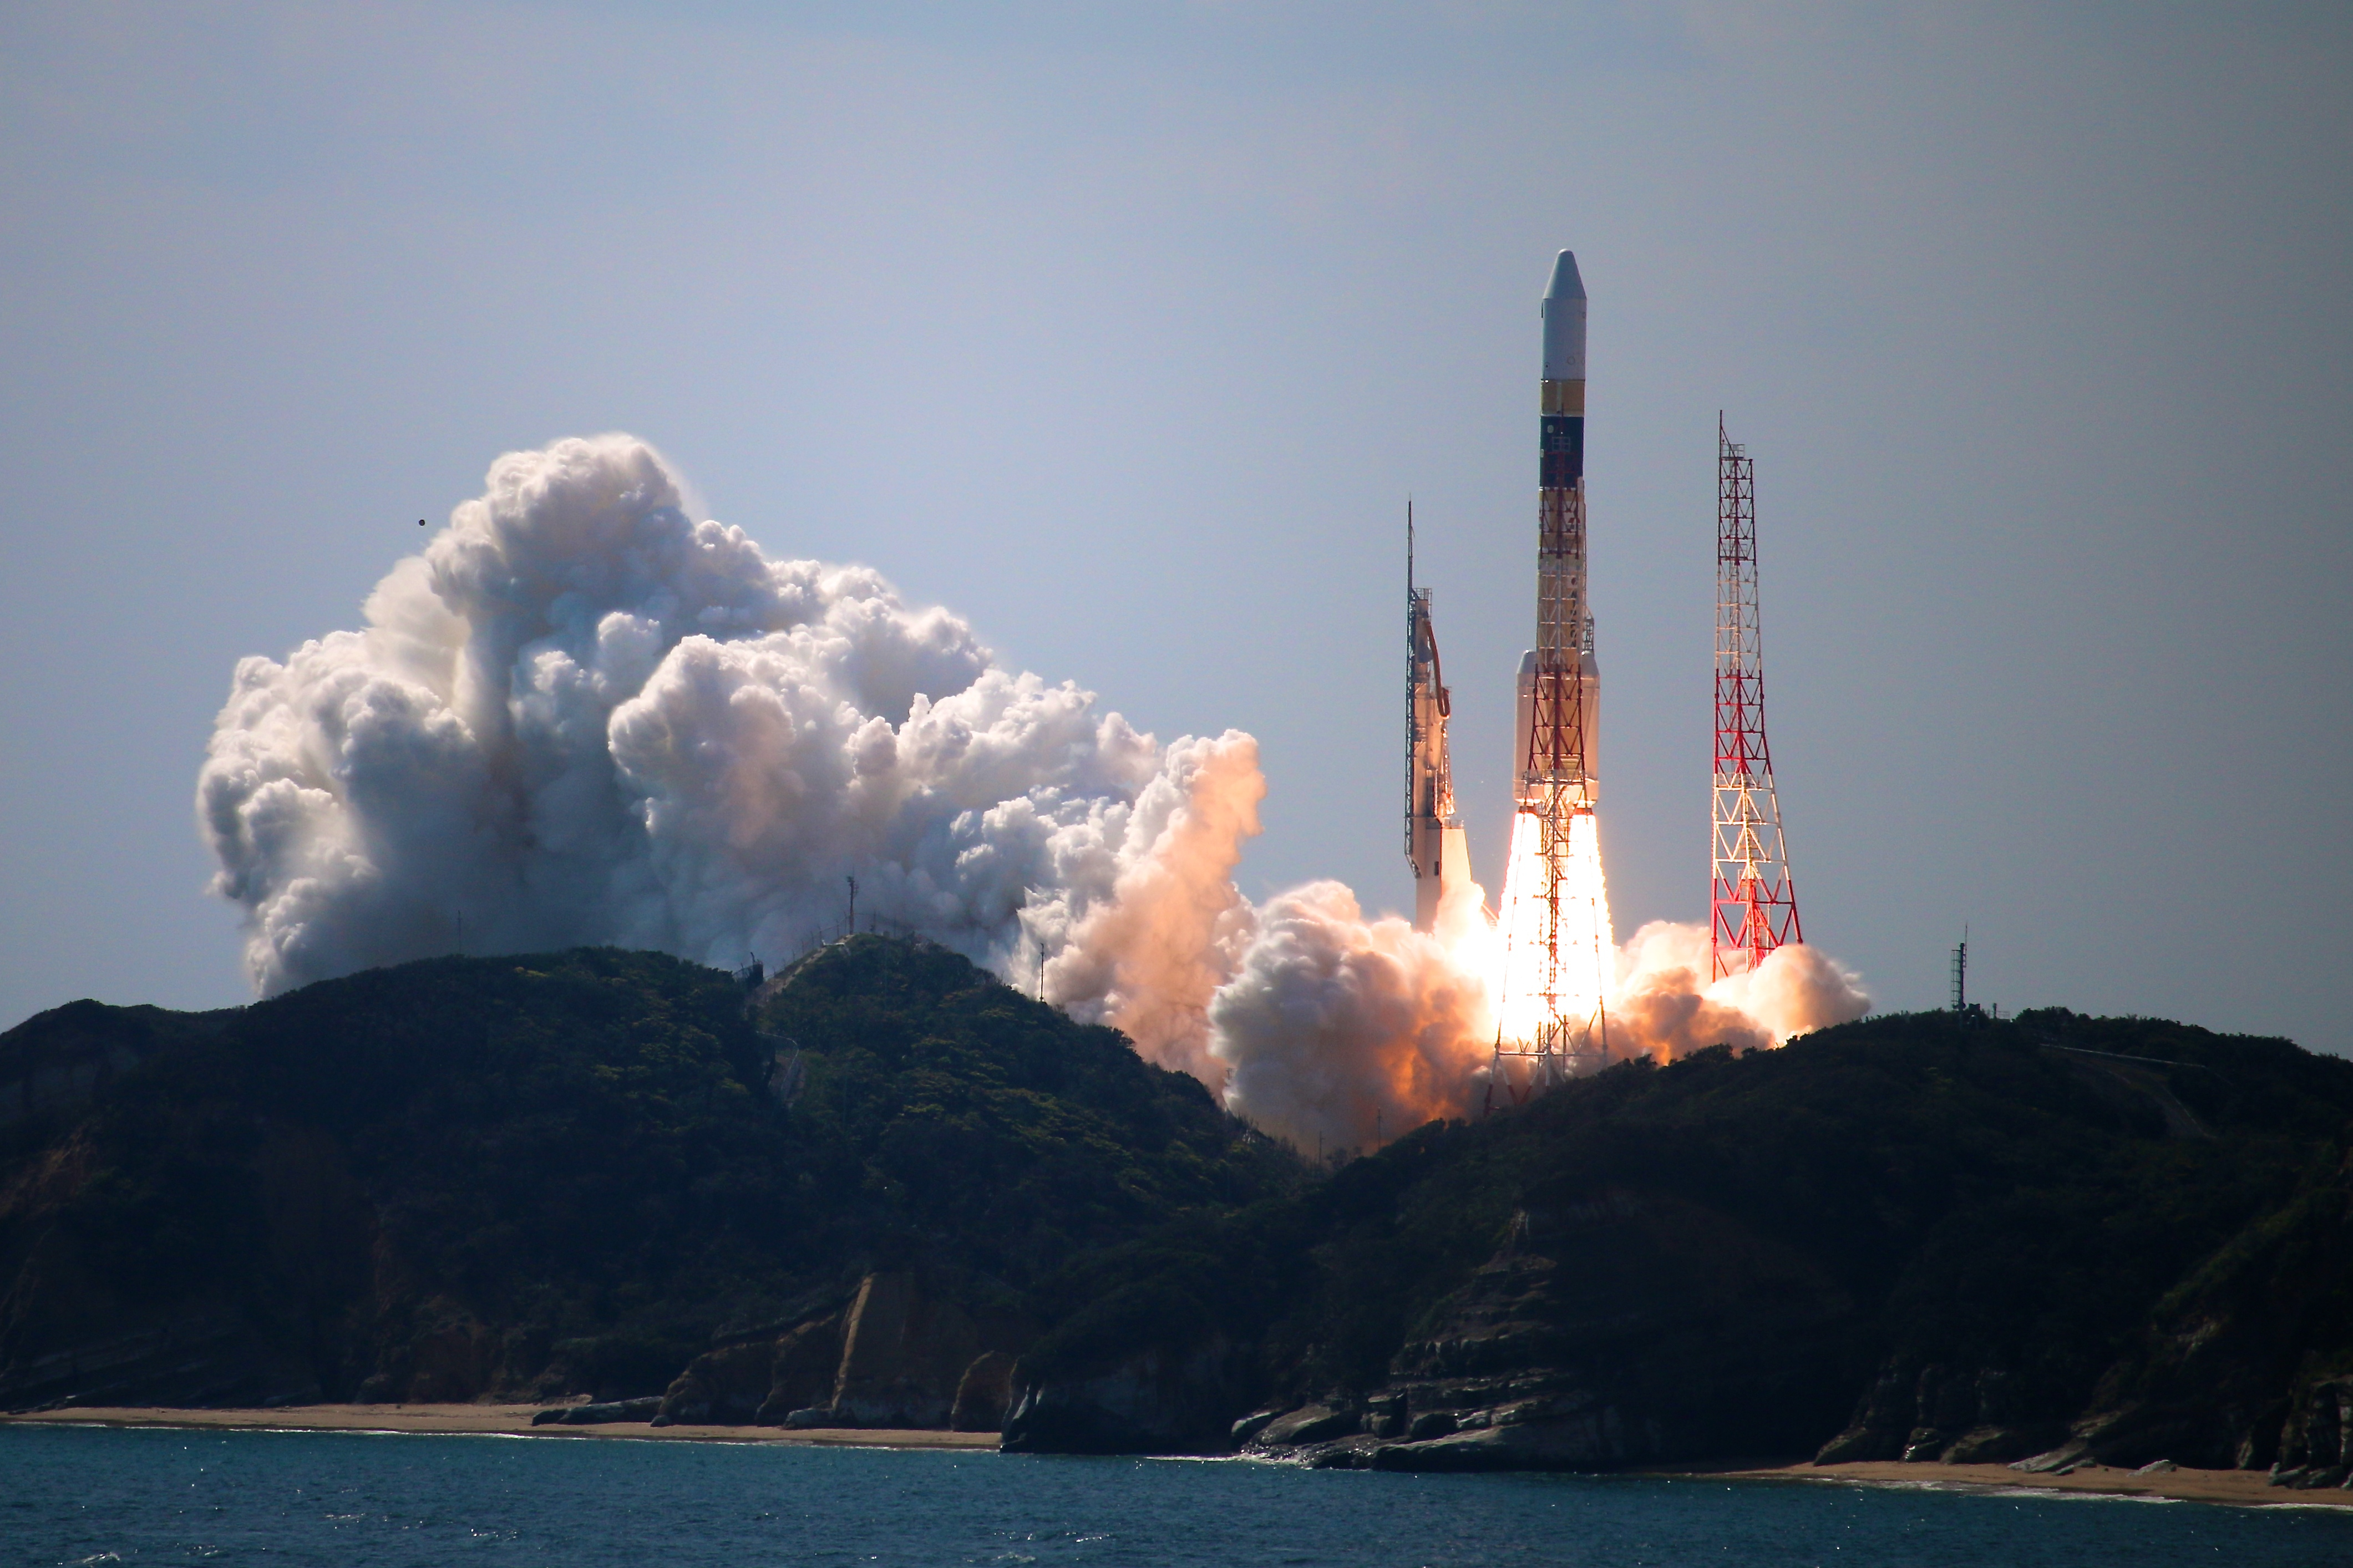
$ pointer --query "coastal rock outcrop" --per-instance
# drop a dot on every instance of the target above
(984, 1393)
(807, 1361)
(1629, 1328)
(729, 1386)
(1961, 1416)
(1150, 1402)
(598, 1413)
(901, 1353)
(57, 1061)
(904, 1353)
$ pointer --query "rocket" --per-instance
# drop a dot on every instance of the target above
(1554, 920)
(1555, 737)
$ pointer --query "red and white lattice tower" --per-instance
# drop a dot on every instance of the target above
(1753, 900)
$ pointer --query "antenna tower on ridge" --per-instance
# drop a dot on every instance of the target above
(1753, 900)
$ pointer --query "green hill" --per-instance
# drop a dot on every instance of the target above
(884, 1189)
(562, 1173)
(1928, 1237)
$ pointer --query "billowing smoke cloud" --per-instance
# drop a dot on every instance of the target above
(1166, 932)
(579, 716)
(1337, 1030)
(1664, 1007)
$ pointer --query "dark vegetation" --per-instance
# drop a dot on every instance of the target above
(1929, 1235)
(562, 1173)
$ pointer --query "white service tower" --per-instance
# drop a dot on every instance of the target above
(1434, 839)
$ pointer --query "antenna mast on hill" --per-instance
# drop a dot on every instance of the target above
(1753, 900)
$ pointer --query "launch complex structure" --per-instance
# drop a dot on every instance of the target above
(1556, 952)
(1752, 901)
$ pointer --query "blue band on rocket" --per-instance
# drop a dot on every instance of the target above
(1562, 442)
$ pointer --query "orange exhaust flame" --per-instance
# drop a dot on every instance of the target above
(1537, 986)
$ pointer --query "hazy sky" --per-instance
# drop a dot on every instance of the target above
(1125, 331)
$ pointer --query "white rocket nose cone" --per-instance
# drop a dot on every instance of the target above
(1566, 283)
(1564, 322)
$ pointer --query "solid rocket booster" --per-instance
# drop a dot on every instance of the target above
(1558, 729)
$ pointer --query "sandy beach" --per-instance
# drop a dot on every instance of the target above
(2246, 1489)
(512, 1420)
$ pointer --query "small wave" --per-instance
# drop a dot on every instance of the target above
(2066, 1495)
(1980, 1489)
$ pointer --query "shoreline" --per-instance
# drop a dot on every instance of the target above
(2236, 1489)
(486, 1420)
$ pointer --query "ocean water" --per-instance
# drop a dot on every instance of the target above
(100, 1496)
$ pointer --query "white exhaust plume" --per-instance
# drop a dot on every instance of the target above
(1662, 1009)
(1339, 1032)
(580, 717)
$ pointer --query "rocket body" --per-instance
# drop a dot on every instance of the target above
(1556, 738)
(1558, 963)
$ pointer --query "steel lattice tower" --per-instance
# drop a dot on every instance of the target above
(1752, 897)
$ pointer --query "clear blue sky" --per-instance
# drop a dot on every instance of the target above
(1126, 330)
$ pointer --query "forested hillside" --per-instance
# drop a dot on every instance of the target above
(564, 1174)
(1926, 1237)
(885, 1189)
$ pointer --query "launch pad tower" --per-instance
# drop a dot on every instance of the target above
(1753, 900)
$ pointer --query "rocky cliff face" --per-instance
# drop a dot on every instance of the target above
(574, 1174)
(1153, 1402)
(902, 1353)
(984, 1393)
(58, 1062)
(112, 1302)
(756, 1383)
(1934, 1239)
(1961, 1416)
(1628, 1329)
(2316, 1437)
(2244, 1363)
